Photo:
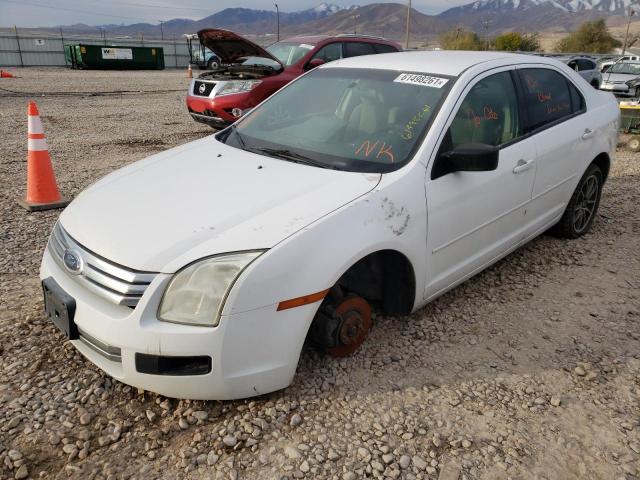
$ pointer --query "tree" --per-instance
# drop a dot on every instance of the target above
(460, 40)
(517, 42)
(591, 37)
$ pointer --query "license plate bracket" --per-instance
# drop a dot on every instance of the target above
(60, 307)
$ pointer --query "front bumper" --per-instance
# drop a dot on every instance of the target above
(251, 353)
(217, 111)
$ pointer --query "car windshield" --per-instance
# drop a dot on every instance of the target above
(289, 53)
(348, 119)
(261, 62)
(626, 68)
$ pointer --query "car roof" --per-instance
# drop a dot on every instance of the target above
(315, 39)
(310, 39)
(444, 62)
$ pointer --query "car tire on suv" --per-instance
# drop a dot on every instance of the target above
(583, 206)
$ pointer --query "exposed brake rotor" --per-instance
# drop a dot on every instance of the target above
(355, 315)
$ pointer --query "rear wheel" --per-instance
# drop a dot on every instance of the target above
(212, 64)
(581, 210)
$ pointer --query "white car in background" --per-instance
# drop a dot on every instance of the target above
(620, 78)
(376, 182)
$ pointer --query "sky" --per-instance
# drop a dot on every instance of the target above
(48, 13)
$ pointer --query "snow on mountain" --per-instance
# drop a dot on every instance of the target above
(618, 7)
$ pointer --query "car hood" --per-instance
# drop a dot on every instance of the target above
(201, 199)
(231, 47)
(617, 77)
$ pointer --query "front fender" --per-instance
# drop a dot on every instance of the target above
(390, 217)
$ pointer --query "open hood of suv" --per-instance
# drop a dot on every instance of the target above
(231, 47)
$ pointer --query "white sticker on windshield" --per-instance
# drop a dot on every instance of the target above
(307, 46)
(423, 80)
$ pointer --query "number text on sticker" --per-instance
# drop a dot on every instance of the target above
(423, 80)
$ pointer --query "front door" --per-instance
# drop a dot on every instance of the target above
(476, 217)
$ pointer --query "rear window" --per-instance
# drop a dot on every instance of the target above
(549, 97)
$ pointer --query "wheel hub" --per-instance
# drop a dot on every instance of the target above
(354, 326)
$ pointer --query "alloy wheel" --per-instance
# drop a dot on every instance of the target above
(585, 205)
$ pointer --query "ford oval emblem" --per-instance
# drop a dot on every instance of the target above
(72, 261)
(202, 88)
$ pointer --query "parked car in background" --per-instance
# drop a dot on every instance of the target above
(620, 78)
(251, 73)
(607, 64)
(377, 182)
(586, 68)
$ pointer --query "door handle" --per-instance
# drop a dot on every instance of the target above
(588, 133)
(523, 166)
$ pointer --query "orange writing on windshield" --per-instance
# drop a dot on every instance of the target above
(380, 149)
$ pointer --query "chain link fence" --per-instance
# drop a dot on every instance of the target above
(19, 49)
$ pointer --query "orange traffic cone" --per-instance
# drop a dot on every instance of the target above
(189, 72)
(42, 191)
(5, 74)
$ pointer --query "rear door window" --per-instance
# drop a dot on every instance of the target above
(384, 48)
(548, 97)
(355, 49)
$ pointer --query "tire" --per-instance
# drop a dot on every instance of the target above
(634, 144)
(583, 206)
(212, 64)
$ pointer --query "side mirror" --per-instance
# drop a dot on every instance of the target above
(314, 63)
(472, 157)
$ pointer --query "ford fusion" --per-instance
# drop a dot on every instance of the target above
(369, 184)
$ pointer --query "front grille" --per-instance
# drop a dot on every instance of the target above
(118, 284)
(205, 86)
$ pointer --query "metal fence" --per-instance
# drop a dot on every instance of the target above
(30, 50)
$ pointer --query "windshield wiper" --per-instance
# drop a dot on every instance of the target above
(291, 156)
(243, 144)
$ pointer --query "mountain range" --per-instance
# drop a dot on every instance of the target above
(387, 19)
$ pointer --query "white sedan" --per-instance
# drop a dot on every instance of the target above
(372, 183)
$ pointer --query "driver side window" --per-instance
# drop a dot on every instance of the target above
(489, 115)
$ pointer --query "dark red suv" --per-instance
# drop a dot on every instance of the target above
(249, 73)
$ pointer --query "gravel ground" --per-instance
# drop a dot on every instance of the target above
(531, 370)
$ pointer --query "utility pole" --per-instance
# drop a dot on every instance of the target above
(278, 21)
(161, 31)
(485, 25)
(408, 24)
(626, 35)
(355, 23)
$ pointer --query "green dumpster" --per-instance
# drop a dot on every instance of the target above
(116, 57)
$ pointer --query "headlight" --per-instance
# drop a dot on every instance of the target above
(196, 294)
(238, 86)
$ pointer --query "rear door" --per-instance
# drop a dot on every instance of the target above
(563, 137)
(476, 217)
